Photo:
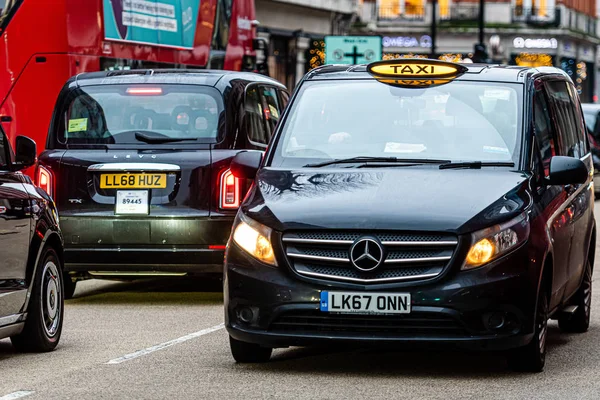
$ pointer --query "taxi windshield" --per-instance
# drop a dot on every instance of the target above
(457, 121)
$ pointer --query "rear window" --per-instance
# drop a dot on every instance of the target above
(142, 114)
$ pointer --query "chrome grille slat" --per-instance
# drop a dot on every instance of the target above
(409, 256)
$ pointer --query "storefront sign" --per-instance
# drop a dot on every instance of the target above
(157, 22)
(407, 41)
(538, 43)
(352, 49)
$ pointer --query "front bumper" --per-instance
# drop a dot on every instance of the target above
(455, 309)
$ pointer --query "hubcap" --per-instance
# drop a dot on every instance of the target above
(51, 295)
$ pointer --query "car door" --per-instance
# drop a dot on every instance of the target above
(574, 206)
(552, 198)
(15, 234)
(581, 207)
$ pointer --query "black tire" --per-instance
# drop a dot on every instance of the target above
(579, 322)
(70, 286)
(532, 357)
(244, 352)
(43, 326)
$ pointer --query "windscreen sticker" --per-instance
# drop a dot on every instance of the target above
(78, 125)
(392, 147)
(496, 150)
(273, 111)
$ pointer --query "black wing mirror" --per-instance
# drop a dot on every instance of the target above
(25, 153)
(567, 171)
(245, 165)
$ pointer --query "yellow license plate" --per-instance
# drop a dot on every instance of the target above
(133, 181)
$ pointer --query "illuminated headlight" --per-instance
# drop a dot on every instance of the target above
(254, 239)
(491, 243)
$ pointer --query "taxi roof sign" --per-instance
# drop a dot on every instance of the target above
(419, 69)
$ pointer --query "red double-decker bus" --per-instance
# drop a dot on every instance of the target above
(44, 42)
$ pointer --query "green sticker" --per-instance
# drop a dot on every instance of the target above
(78, 125)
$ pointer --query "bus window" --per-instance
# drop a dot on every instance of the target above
(222, 24)
(7, 10)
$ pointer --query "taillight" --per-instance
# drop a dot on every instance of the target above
(44, 180)
(230, 191)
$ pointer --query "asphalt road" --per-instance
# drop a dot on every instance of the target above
(164, 339)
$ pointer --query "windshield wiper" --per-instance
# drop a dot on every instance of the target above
(363, 159)
(475, 165)
(153, 137)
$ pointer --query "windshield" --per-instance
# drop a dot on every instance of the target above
(140, 114)
(459, 121)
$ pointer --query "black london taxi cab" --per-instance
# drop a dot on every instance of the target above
(416, 201)
(31, 254)
(138, 164)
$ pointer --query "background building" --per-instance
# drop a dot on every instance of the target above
(294, 28)
(562, 33)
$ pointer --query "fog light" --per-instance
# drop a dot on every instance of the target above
(496, 320)
(246, 315)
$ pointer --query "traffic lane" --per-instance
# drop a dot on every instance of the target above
(203, 367)
(107, 320)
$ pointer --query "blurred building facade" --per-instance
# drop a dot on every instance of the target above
(561, 33)
(293, 31)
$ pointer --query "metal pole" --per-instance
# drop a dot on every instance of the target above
(433, 27)
(481, 21)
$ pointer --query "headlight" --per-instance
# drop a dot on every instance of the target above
(254, 239)
(491, 243)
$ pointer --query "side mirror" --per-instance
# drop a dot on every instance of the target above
(567, 171)
(245, 165)
(25, 153)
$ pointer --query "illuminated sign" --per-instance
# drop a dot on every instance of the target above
(407, 41)
(539, 43)
(415, 72)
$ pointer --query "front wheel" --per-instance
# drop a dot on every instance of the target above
(532, 357)
(43, 326)
(244, 352)
(579, 322)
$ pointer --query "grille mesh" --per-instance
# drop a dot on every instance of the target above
(336, 265)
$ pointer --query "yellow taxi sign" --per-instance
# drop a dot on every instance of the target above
(406, 69)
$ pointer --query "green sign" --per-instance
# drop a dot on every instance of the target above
(352, 49)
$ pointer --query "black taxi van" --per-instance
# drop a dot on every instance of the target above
(31, 254)
(138, 164)
(416, 201)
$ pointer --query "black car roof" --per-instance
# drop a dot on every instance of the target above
(476, 72)
(167, 76)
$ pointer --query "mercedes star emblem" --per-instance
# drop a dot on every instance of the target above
(366, 254)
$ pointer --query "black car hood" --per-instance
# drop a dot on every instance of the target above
(405, 198)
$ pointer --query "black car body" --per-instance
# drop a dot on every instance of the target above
(172, 133)
(31, 254)
(476, 252)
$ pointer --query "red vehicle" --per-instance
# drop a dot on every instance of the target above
(43, 43)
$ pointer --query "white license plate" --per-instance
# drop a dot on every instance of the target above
(132, 202)
(365, 303)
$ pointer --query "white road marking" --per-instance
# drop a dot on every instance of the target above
(17, 395)
(164, 345)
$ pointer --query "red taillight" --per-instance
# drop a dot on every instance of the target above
(44, 180)
(144, 91)
(230, 191)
